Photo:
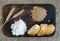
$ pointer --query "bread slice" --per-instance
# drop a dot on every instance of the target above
(42, 30)
(33, 30)
(50, 29)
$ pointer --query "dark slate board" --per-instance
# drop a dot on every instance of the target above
(51, 15)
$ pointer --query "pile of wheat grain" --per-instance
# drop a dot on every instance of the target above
(38, 13)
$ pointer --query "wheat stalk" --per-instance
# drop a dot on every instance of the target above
(16, 15)
(9, 15)
(19, 13)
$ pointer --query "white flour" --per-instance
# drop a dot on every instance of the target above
(19, 27)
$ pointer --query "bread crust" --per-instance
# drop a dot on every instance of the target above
(42, 31)
(50, 29)
(34, 31)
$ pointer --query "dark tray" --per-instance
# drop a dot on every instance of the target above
(51, 15)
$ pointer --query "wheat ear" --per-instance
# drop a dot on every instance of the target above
(19, 13)
(9, 15)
